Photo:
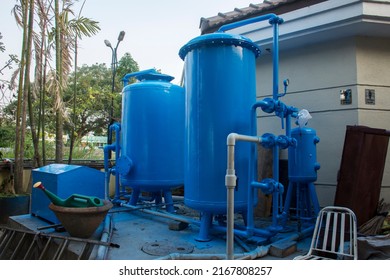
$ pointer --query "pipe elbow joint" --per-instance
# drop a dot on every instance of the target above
(108, 148)
(231, 139)
(115, 127)
(276, 20)
(268, 105)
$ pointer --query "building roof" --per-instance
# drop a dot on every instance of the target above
(308, 21)
(211, 24)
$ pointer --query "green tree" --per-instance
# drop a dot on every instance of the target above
(93, 97)
(93, 88)
(126, 65)
(58, 29)
(66, 31)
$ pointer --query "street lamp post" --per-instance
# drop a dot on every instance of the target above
(114, 64)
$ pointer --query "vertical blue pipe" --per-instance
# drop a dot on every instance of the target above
(275, 21)
(275, 198)
(252, 167)
(314, 198)
(288, 126)
(275, 55)
(117, 128)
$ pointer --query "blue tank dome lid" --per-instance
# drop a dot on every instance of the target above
(147, 75)
(154, 77)
(219, 38)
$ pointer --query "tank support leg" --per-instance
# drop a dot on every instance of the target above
(287, 203)
(134, 197)
(314, 199)
(205, 225)
(168, 201)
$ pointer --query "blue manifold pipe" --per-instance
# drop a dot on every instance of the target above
(275, 21)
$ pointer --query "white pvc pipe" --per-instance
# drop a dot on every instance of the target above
(161, 214)
(102, 250)
(230, 182)
(259, 252)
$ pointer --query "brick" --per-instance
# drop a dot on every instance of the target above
(282, 249)
(175, 225)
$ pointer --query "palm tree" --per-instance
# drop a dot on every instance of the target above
(42, 55)
(68, 31)
(65, 33)
(27, 10)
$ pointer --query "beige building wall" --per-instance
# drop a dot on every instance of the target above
(317, 73)
(373, 61)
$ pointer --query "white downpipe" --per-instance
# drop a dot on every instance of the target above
(161, 214)
(259, 252)
(230, 183)
(102, 250)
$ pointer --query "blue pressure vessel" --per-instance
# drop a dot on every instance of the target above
(152, 133)
(302, 159)
(220, 90)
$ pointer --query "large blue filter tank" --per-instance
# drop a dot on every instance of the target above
(220, 90)
(152, 135)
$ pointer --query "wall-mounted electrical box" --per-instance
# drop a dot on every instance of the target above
(369, 95)
(345, 96)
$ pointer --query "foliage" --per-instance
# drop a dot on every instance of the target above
(93, 94)
(8, 64)
(7, 136)
(44, 105)
(5, 86)
(2, 47)
(126, 65)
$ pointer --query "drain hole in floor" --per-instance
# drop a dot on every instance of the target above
(165, 247)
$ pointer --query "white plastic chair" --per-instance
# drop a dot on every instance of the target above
(334, 237)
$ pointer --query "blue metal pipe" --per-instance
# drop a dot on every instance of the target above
(237, 24)
(116, 127)
(275, 21)
(243, 232)
(275, 199)
(108, 171)
(288, 125)
(265, 105)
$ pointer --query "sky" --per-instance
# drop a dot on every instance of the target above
(155, 30)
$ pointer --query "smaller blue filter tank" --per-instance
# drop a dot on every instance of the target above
(152, 134)
(220, 89)
(302, 159)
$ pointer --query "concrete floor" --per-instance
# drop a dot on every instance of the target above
(144, 236)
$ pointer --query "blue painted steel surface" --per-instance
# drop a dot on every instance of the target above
(152, 131)
(220, 91)
(302, 159)
(64, 180)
